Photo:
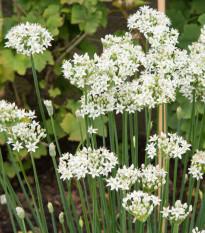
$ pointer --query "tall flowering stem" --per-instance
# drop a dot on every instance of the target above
(39, 98)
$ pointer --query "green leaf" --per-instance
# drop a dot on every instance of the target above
(71, 126)
(93, 22)
(9, 169)
(54, 92)
(73, 105)
(191, 34)
(88, 47)
(53, 23)
(23, 153)
(201, 19)
(103, 9)
(40, 151)
(78, 14)
(51, 10)
(70, 2)
(99, 123)
(21, 62)
(42, 84)
(41, 60)
(59, 131)
(198, 6)
(177, 18)
(2, 138)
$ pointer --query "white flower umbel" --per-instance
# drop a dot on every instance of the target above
(21, 129)
(197, 168)
(124, 179)
(177, 213)
(152, 177)
(28, 38)
(196, 230)
(140, 204)
(91, 130)
(171, 145)
(11, 115)
(87, 161)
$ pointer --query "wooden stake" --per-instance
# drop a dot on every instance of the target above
(161, 7)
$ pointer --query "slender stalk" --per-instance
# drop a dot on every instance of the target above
(83, 206)
(53, 223)
(103, 130)
(136, 139)
(39, 98)
(176, 228)
(149, 227)
(24, 226)
(201, 131)
(94, 205)
(123, 225)
(39, 195)
(195, 206)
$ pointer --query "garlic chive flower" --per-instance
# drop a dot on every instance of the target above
(28, 38)
(171, 145)
(91, 130)
(87, 161)
(20, 212)
(49, 107)
(11, 115)
(177, 213)
(197, 168)
(152, 177)
(21, 129)
(124, 179)
(140, 204)
(196, 230)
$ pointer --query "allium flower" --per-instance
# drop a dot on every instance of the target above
(87, 161)
(20, 212)
(11, 115)
(91, 130)
(21, 129)
(28, 38)
(124, 178)
(152, 177)
(172, 146)
(197, 168)
(196, 230)
(49, 107)
(177, 213)
(140, 204)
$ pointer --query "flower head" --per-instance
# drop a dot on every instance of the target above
(197, 168)
(91, 130)
(196, 230)
(28, 38)
(124, 179)
(140, 204)
(87, 161)
(177, 213)
(152, 177)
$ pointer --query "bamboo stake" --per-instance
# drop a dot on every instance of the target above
(161, 7)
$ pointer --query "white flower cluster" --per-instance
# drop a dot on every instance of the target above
(87, 161)
(193, 73)
(171, 146)
(152, 177)
(109, 78)
(11, 115)
(140, 204)
(196, 230)
(124, 179)
(197, 168)
(22, 130)
(28, 38)
(177, 213)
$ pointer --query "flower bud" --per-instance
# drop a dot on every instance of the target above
(20, 212)
(78, 115)
(49, 107)
(52, 149)
(179, 113)
(61, 217)
(50, 208)
(81, 223)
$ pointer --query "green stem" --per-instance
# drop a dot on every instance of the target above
(195, 206)
(83, 206)
(136, 139)
(176, 228)
(94, 205)
(53, 223)
(201, 131)
(24, 226)
(39, 98)
(123, 215)
(149, 227)
(39, 195)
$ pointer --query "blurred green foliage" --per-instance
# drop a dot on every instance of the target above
(188, 17)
